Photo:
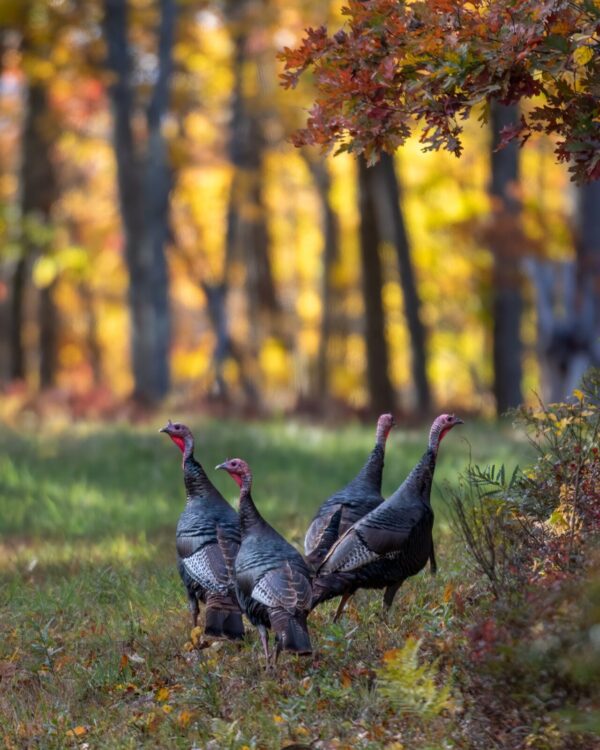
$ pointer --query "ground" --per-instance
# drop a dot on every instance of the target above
(95, 644)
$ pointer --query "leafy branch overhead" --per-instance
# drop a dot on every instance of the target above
(394, 64)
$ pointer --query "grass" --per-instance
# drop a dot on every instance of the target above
(93, 622)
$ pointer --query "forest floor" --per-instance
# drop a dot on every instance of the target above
(95, 645)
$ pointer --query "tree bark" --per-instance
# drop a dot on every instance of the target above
(381, 394)
(144, 181)
(331, 251)
(568, 304)
(393, 228)
(588, 267)
(506, 247)
(38, 194)
(247, 217)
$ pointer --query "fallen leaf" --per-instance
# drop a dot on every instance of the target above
(196, 635)
(162, 694)
(78, 731)
(184, 718)
(448, 592)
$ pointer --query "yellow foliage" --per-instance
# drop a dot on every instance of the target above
(583, 55)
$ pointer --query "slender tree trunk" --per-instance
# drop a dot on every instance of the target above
(48, 325)
(392, 225)
(506, 248)
(588, 268)
(144, 182)
(381, 394)
(5, 278)
(38, 194)
(331, 251)
(247, 216)
(91, 335)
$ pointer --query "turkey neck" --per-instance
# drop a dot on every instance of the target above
(372, 471)
(197, 484)
(249, 515)
(420, 478)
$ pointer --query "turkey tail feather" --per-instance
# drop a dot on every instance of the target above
(291, 632)
(223, 619)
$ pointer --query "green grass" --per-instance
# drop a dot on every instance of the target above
(93, 621)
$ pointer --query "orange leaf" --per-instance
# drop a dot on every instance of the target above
(76, 732)
(448, 592)
(391, 654)
(346, 678)
(124, 662)
(184, 718)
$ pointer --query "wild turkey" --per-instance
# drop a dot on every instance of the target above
(392, 542)
(355, 500)
(272, 578)
(208, 539)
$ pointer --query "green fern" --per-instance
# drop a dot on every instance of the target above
(412, 688)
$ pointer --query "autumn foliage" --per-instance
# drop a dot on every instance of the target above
(397, 64)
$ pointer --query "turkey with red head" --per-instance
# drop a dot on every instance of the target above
(393, 541)
(360, 496)
(208, 539)
(272, 578)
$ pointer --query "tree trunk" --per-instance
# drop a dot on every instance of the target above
(506, 248)
(38, 194)
(393, 229)
(588, 268)
(48, 324)
(247, 217)
(144, 182)
(331, 251)
(5, 278)
(381, 394)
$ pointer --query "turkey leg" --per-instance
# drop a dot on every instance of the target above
(432, 562)
(194, 609)
(341, 605)
(264, 639)
(388, 597)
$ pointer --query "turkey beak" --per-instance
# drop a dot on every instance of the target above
(221, 466)
(167, 427)
(458, 420)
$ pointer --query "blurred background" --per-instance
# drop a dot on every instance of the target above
(160, 237)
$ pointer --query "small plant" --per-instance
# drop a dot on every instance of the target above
(482, 514)
(409, 687)
(535, 523)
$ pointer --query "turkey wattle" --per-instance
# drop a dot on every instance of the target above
(360, 496)
(393, 541)
(208, 539)
(272, 578)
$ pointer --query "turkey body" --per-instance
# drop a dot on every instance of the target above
(272, 578)
(207, 541)
(393, 541)
(345, 507)
(382, 549)
(273, 587)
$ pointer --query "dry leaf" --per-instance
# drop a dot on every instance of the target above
(184, 718)
(78, 731)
